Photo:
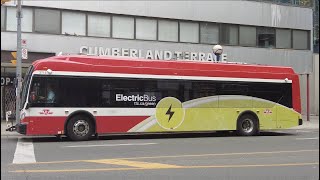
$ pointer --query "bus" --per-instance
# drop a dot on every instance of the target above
(95, 95)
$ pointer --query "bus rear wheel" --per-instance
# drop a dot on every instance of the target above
(247, 125)
(80, 128)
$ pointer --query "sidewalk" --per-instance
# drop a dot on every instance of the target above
(312, 124)
(4, 132)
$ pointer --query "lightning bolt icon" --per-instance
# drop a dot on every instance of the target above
(169, 112)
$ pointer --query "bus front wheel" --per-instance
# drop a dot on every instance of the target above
(247, 125)
(80, 128)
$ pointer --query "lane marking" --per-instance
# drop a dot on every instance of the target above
(222, 154)
(315, 138)
(112, 145)
(24, 152)
(303, 131)
(178, 156)
(176, 167)
(137, 164)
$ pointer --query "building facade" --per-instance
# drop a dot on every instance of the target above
(254, 32)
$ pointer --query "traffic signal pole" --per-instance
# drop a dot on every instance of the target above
(18, 66)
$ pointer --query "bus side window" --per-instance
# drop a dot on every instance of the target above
(203, 89)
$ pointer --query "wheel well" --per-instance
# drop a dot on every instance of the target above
(82, 113)
(250, 113)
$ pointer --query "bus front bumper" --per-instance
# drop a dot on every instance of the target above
(21, 128)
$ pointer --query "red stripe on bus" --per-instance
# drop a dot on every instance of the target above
(117, 124)
(47, 125)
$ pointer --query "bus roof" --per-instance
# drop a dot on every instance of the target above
(109, 64)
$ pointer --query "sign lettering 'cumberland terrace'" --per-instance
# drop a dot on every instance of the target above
(150, 54)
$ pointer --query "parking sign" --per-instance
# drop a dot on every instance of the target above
(24, 53)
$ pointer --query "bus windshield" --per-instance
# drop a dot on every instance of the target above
(25, 85)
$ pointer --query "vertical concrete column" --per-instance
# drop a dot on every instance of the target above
(308, 97)
(315, 104)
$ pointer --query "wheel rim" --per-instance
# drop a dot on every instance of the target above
(247, 125)
(81, 128)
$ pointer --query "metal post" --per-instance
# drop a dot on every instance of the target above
(19, 57)
(308, 98)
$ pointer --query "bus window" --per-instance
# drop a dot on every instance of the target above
(43, 92)
(203, 89)
(233, 88)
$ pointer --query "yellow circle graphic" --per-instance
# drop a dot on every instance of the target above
(169, 113)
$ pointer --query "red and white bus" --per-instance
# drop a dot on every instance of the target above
(104, 95)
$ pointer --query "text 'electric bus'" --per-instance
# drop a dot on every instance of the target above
(83, 96)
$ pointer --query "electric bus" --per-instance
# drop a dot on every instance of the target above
(83, 96)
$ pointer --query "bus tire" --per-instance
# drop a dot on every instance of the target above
(80, 128)
(247, 125)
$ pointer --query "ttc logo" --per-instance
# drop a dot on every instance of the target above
(45, 112)
(267, 111)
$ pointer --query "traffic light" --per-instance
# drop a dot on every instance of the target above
(4, 1)
(14, 60)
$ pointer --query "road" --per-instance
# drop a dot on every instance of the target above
(281, 155)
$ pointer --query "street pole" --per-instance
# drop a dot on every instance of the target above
(19, 57)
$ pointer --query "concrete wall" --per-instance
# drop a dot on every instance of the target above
(226, 11)
(314, 89)
(300, 60)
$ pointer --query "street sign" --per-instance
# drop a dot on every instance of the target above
(24, 53)
(23, 42)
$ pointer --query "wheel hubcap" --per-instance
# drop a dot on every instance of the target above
(81, 128)
(247, 125)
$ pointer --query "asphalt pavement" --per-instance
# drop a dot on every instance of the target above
(277, 155)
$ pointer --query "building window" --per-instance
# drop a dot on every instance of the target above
(247, 35)
(209, 33)
(229, 34)
(98, 25)
(146, 29)
(168, 30)
(266, 37)
(300, 39)
(47, 21)
(123, 27)
(189, 32)
(283, 38)
(26, 22)
(73, 23)
(3, 15)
